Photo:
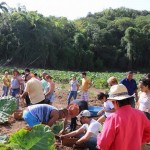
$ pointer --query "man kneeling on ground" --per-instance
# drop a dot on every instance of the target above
(87, 133)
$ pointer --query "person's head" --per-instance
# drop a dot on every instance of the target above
(6, 73)
(73, 110)
(48, 78)
(144, 84)
(63, 113)
(83, 74)
(44, 74)
(15, 72)
(102, 97)
(73, 77)
(112, 81)
(27, 77)
(118, 95)
(27, 71)
(84, 116)
(129, 75)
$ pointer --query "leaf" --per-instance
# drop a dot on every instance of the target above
(39, 138)
(7, 107)
(3, 138)
(56, 128)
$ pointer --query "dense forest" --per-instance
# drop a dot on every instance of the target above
(114, 39)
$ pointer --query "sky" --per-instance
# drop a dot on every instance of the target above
(74, 9)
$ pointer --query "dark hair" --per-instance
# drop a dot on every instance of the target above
(35, 74)
(145, 82)
(129, 72)
(48, 77)
(101, 95)
(27, 70)
(83, 73)
(124, 102)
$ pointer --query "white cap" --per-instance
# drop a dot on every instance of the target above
(84, 113)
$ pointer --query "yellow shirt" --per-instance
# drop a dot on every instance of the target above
(6, 81)
(34, 90)
(85, 84)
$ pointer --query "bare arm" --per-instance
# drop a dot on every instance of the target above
(84, 138)
(51, 89)
(53, 118)
(74, 133)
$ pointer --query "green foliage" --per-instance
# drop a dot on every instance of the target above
(57, 127)
(7, 107)
(38, 138)
(29, 39)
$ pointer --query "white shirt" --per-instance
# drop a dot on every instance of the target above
(144, 101)
(93, 127)
(108, 106)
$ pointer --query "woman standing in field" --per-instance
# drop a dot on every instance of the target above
(74, 86)
(144, 96)
(6, 84)
(50, 89)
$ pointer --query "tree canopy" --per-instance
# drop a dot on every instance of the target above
(114, 39)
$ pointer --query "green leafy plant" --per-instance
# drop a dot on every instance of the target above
(7, 107)
(39, 138)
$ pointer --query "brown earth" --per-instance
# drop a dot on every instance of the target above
(60, 102)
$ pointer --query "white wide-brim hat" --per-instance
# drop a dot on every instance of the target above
(118, 92)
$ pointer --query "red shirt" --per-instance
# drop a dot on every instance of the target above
(126, 129)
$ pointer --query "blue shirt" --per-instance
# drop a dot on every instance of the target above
(41, 111)
(130, 85)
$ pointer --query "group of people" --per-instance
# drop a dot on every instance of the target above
(124, 126)
(29, 87)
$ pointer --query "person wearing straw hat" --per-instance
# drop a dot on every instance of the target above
(87, 132)
(127, 128)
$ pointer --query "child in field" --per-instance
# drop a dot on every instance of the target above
(108, 107)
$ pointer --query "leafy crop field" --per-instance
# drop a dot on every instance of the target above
(99, 79)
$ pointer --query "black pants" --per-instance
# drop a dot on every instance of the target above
(27, 99)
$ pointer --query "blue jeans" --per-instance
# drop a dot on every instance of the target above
(30, 119)
(5, 90)
(72, 94)
(14, 92)
(91, 143)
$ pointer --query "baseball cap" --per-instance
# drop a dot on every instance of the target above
(84, 113)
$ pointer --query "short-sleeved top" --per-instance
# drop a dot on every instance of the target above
(85, 84)
(93, 127)
(144, 101)
(15, 83)
(83, 105)
(108, 106)
(6, 81)
(73, 84)
(41, 111)
(130, 85)
(44, 84)
(34, 90)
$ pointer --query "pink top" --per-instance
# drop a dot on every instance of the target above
(125, 129)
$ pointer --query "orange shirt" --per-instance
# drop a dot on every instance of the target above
(85, 84)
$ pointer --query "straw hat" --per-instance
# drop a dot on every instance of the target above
(73, 110)
(118, 92)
